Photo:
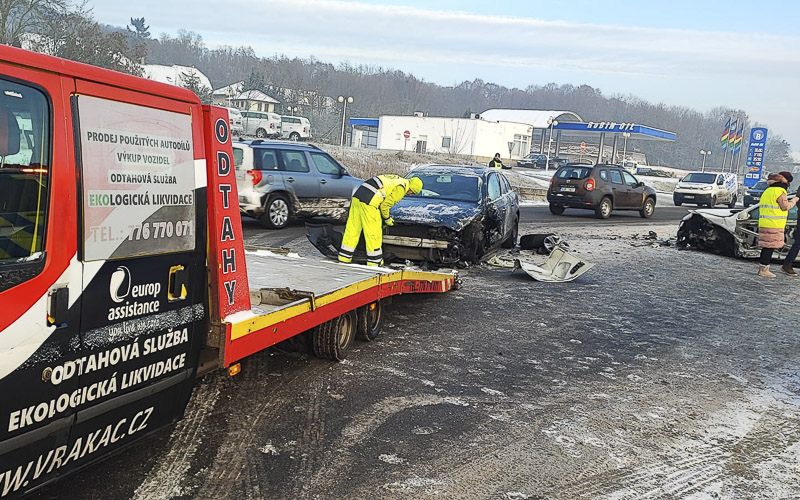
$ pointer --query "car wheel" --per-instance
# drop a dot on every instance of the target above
(603, 210)
(713, 202)
(261, 133)
(294, 136)
(276, 212)
(556, 209)
(511, 242)
(370, 318)
(732, 204)
(648, 208)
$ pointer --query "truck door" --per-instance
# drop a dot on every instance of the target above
(40, 277)
(142, 245)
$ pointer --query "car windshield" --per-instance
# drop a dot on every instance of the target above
(573, 172)
(759, 186)
(450, 187)
(700, 178)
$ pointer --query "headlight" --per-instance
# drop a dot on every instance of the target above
(707, 188)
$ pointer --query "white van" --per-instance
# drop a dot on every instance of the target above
(706, 188)
(295, 128)
(262, 124)
(237, 124)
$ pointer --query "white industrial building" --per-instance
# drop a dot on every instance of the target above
(479, 137)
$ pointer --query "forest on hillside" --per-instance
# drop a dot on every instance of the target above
(71, 32)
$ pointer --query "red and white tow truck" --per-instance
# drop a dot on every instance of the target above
(123, 274)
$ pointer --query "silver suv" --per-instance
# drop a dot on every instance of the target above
(278, 180)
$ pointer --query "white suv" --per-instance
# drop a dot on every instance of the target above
(295, 128)
(262, 124)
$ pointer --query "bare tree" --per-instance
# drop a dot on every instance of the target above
(18, 17)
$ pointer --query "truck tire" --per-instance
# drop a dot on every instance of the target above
(332, 339)
(276, 212)
(369, 321)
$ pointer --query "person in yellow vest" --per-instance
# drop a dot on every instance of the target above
(772, 214)
(369, 210)
(496, 163)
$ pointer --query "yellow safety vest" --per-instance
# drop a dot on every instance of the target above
(770, 213)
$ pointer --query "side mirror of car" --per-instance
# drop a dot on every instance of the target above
(640, 184)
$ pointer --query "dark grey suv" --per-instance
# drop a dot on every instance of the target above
(278, 180)
(601, 188)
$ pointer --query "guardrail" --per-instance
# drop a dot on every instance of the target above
(533, 194)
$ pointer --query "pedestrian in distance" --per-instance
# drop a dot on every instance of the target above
(369, 211)
(772, 214)
(788, 262)
(496, 162)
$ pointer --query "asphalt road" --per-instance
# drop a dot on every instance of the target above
(659, 373)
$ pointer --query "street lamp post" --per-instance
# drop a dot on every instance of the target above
(704, 153)
(293, 110)
(551, 122)
(345, 101)
(625, 136)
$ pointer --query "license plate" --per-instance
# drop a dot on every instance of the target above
(567, 189)
(689, 196)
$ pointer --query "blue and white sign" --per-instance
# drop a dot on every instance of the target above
(755, 156)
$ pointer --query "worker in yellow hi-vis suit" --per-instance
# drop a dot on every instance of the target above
(369, 210)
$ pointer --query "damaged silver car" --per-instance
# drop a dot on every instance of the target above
(731, 232)
(462, 213)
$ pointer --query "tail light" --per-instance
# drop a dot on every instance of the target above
(551, 181)
(272, 125)
(590, 185)
(256, 175)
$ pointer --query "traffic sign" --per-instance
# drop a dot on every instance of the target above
(583, 146)
(406, 134)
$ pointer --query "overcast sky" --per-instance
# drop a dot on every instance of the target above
(696, 53)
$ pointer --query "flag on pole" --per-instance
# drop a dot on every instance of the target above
(725, 133)
(732, 135)
(737, 142)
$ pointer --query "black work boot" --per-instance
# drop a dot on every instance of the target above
(788, 269)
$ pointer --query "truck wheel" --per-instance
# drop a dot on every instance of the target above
(369, 321)
(333, 338)
(294, 136)
(603, 210)
(276, 212)
(261, 133)
(713, 202)
(556, 209)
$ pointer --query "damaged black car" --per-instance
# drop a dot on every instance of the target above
(462, 213)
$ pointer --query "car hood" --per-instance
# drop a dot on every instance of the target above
(723, 217)
(451, 214)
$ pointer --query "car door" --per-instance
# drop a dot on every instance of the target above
(634, 190)
(619, 189)
(496, 211)
(336, 186)
(508, 197)
(298, 177)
